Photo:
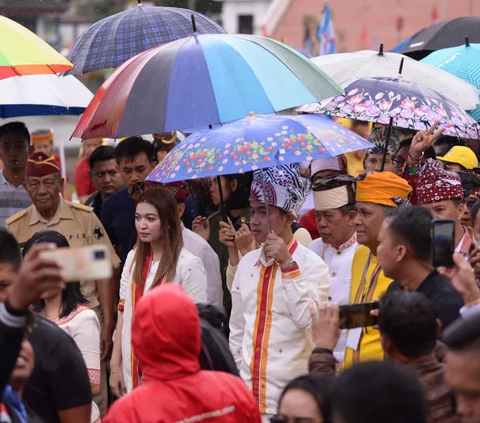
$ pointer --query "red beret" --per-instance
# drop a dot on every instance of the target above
(178, 189)
(39, 164)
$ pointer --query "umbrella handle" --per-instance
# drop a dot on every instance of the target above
(194, 25)
(265, 201)
(389, 131)
(223, 207)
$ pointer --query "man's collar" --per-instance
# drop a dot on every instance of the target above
(63, 212)
(292, 246)
(345, 245)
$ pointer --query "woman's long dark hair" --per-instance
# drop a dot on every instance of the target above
(239, 199)
(72, 296)
(319, 387)
(171, 234)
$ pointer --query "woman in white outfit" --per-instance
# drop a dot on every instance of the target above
(68, 310)
(158, 257)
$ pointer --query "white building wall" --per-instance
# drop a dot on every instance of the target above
(234, 8)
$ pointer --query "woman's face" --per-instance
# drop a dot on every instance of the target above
(147, 222)
(298, 404)
(215, 193)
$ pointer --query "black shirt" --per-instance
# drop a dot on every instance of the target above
(95, 201)
(446, 300)
(60, 378)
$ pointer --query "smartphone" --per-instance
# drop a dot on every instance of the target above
(92, 262)
(443, 242)
(358, 315)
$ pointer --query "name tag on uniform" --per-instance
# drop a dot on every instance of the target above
(353, 339)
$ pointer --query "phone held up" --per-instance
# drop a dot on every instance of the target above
(358, 315)
(92, 262)
(443, 242)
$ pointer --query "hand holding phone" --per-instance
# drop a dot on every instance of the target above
(91, 262)
(443, 242)
(358, 315)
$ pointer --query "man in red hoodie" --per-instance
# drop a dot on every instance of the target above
(166, 337)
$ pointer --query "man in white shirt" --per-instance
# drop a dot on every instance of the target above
(200, 248)
(334, 200)
(274, 289)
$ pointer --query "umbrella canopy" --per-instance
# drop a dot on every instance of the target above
(24, 53)
(256, 142)
(444, 34)
(43, 95)
(462, 61)
(117, 38)
(344, 66)
(409, 105)
(200, 81)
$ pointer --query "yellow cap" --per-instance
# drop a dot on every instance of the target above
(461, 155)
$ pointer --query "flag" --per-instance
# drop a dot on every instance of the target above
(435, 17)
(326, 33)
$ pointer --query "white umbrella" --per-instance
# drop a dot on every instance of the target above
(367, 63)
(43, 95)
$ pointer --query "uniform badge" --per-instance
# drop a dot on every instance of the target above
(98, 233)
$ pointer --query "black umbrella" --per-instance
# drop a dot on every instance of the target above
(444, 34)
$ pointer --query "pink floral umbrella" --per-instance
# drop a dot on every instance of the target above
(397, 101)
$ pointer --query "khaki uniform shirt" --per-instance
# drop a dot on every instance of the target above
(75, 222)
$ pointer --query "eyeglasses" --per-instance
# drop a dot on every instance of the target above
(398, 162)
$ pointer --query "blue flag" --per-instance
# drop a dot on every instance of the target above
(326, 33)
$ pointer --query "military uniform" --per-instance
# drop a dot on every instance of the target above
(75, 222)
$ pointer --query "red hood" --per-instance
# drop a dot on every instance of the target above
(166, 334)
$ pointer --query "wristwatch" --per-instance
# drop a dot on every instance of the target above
(293, 263)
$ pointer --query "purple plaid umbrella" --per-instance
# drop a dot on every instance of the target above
(397, 101)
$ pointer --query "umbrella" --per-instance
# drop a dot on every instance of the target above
(405, 43)
(462, 61)
(43, 95)
(24, 53)
(399, 102)
(344, 66)
(115, 39)
(256, 142)
(444, 34)
(202, 81)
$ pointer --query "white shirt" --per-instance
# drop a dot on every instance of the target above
(339, 263)
(190, 275)
(202, 249)
(270, 325)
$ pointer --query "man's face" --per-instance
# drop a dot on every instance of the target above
(44, 191)
(454, 167)
(44, 147)
(7, 278)
(387, 251)
(106, 178)
(89, 146)
(462, 374)
(136, 170)
(334, 227)
(373, 163)
(368, 221)
(259, 222)
(445, 210)
(14, 151)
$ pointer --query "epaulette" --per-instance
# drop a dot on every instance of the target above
(16, 216)
(81, 207)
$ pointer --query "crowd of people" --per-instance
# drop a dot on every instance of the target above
(224, 301)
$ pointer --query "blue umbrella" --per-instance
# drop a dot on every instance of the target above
(256, 142)
(462, 61)
(117, 38)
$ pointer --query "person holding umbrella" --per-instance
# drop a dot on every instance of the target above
(273, 290)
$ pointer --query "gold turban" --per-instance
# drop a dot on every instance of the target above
(381, 188)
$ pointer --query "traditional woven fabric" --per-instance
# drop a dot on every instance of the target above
(384, 188)
(285, 188)
(39, 164)
(379, 138)
(178, 189)
(436, 184)
(115, 39)
(338, 164)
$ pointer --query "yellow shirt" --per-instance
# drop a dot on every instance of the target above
(76, 222)
(376, 284)
(354, 164)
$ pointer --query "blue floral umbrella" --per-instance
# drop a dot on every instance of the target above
(399, 101)
(256, 142)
